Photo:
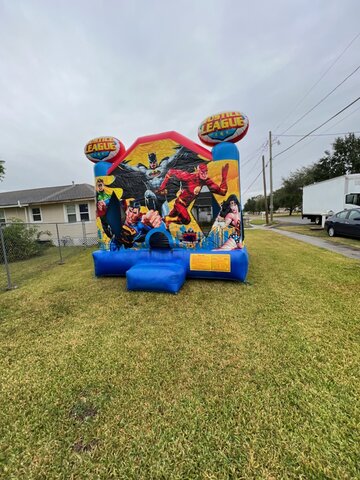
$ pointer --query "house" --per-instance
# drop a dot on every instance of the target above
(68, 208)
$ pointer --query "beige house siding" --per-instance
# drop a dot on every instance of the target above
(14, 212)
(50, 213)
(74, 233)
(55, 214)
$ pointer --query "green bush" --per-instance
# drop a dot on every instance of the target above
(21, 241)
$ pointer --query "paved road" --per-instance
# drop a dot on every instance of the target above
(347, 251)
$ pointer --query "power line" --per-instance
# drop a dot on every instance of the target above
(252, 158)
(258, 155)
(297, 105)
(316, 137)
(257, 150)
(252, 183)
(337, 123)
(344, 118)
(255, 153)
(317, 134)
(253, 180)
(310, 135)
(318, 81)
(317, 128)
(322, 100)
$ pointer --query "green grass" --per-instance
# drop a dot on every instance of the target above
(307, 230)
(26, 269)
(283, 215)
(257, 221)
(224, 380)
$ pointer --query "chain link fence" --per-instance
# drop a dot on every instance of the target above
(26, 249)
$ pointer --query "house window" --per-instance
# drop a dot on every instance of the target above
(77, 212)
(2, 216)
(36, 214)
(71, 213)
(84, 212)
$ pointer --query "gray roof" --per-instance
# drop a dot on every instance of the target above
(48, 194)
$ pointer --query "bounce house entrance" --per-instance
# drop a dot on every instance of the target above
(159, 240)
(159, 272)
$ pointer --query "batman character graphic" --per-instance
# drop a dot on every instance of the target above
(143, 182)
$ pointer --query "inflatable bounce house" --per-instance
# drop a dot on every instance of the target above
(168, 208)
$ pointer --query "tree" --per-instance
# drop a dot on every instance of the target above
(343, 160)
(259, 203)
(21, 242)
(2, 170)
(255, 204)
(250, 205)
(290, 194)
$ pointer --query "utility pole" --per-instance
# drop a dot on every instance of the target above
(264, 181)
(271, 180)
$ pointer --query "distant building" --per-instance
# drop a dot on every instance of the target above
(68, 204)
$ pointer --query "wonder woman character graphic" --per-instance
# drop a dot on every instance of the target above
(230, 216)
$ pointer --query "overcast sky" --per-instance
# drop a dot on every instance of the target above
(72, 70)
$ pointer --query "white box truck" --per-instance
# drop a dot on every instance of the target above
(323, 199)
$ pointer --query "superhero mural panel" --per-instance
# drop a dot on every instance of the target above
(168, 208)
(167, 185)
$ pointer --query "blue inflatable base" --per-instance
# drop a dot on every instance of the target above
(166, 270)
(156, 277)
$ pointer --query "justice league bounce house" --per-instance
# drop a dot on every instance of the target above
(168, 208)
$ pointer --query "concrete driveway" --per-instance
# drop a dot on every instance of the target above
(345, 250)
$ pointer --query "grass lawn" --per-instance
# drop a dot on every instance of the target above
(306, 230)
(24, 270)
(224, 380)
(294, 214)
(257, 221)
